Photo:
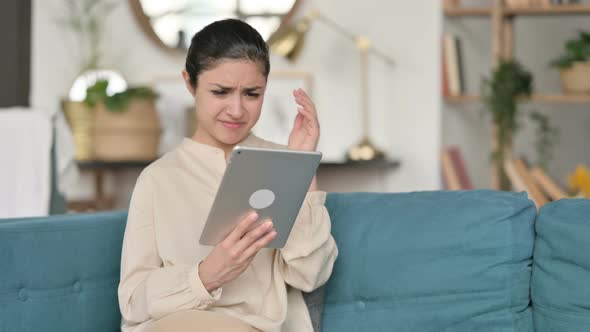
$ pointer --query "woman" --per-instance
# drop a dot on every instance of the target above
(171, 283)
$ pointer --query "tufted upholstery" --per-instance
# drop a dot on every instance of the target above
(431, 261)
(61, 273)
(561, 272)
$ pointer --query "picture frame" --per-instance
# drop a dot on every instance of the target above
(279, 108)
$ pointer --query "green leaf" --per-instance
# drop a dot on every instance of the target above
(118, 101)
(576, 50)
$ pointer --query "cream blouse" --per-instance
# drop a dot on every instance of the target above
(161, 252)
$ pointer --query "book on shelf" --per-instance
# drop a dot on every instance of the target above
(449, 173)
(443, 75)
(513, 176)
(454, 171)
(453, 77)
(527, 3)
(531, 186)
(460, 168)
(547, 184)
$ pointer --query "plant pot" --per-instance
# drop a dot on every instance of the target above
(130, 134)
(81, 121)
(576, 79)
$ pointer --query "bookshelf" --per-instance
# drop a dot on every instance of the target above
(502, 40)
(535, 98)
(527, 11)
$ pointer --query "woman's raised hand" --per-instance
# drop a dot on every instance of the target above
(306, 129)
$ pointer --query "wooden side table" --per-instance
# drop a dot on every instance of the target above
(101, 200)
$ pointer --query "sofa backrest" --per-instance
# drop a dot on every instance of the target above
(430, 261)
(561, 271)
(61, 273)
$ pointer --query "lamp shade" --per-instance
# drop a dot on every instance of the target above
(288, 41)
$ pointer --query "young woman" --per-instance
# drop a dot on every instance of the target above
(171, 283)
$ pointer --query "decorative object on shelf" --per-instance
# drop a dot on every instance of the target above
(171, 24)
(545, 140)
(126, 124)
(289, 41)
(85, 20)
(499, 94)
(579, 182)
(574, 65)
(80, 118)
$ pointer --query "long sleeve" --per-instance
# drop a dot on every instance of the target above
(308, 257)
(148, 289)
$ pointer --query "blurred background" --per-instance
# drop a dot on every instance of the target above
(411, 95)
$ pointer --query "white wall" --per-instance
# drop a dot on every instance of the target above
(537, 41)
(404, 100)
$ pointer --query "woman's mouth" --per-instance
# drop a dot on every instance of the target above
(232, 125)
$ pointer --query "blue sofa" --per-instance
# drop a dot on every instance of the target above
(424, 261)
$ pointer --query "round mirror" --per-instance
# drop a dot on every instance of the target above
(172, 23)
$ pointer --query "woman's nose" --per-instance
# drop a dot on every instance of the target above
(235, 110)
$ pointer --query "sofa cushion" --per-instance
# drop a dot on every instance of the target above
(61, 273)
(431, 261)
(561, 268)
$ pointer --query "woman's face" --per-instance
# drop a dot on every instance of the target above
(228, 100)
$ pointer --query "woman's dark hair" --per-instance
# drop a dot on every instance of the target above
(225, 39)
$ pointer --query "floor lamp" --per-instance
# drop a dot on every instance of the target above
(288, 42)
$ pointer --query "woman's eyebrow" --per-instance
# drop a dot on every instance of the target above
(252, 88)
(227, 88)
(221, 86)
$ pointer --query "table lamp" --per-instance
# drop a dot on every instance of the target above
(288, 42)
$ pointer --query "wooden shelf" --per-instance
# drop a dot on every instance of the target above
(468, 11)
(461, 99)
(525, 11)
(543, 98)
(538, 98)
(375, 165)
(551, 10)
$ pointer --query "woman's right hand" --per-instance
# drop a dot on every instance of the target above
(234, 254)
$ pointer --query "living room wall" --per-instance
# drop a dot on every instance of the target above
(404, 99)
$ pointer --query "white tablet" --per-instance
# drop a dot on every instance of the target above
(271, 182)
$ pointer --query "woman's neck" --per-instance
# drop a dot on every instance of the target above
(204, 138)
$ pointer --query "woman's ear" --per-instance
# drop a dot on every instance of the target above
(187, 82)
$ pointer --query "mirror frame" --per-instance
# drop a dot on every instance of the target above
(146, 27)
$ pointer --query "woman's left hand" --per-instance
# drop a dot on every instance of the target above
(306, 129)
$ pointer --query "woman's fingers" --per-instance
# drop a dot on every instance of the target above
(298, 121)
(241, 229)
(303, 99)
(306, 103)
(252, 236)
(311, 121)
(259, 244)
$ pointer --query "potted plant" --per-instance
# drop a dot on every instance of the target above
(84, 20)
(510, 84)
(574, 65)
(126, 123)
